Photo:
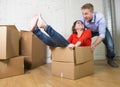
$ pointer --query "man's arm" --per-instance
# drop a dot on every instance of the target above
(101, 30)
(98, 41)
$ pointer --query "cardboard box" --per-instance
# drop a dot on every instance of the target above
(72, 71)
(33, 49)
(72, 64)
(12, 67)
(9, 41)
(77, 56)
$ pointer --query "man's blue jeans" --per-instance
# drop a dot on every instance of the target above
(54, 39)
(108, 41)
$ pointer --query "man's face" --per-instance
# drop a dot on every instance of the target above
(87, 14)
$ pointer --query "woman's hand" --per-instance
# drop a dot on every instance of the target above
(71, 46)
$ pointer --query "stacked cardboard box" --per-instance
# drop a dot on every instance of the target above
(10, 62)
(9, 41)
(12, 67)
(72, 64)
(33, 49)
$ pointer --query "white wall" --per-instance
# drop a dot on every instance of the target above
(19, 12)
(58, 13)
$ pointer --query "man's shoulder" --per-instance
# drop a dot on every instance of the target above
(82, 18)
(99, 15)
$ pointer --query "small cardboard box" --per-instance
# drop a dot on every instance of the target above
(9, 41)
(72, 64)
(12, 67)
(33, 49)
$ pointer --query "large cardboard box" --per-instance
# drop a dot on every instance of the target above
(12, 67)
(33, 49)
(9, 41)
(72, 64)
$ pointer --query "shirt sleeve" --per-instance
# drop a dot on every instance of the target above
(86, 35)
(102, 26)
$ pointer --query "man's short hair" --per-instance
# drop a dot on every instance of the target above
(88, 6)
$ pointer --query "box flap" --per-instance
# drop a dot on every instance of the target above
(63, 54)
(83, 54)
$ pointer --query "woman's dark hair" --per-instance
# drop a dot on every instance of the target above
(73, 27)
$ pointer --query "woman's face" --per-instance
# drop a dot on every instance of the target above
(79, 26)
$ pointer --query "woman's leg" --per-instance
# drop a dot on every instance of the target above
(34, 28)
(46, 39)
(56, 37)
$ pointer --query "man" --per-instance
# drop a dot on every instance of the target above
(96, 23)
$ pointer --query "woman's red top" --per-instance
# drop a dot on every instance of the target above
(85, 38)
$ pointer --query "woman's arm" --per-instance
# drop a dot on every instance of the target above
(78, 44)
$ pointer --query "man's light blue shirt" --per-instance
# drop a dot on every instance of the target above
(97, 24)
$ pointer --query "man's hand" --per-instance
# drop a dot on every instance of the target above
(98, 41)
(92, 47)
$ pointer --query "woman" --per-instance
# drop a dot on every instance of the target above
(79, 37)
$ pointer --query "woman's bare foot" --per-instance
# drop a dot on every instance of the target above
(34, 22)
(41, 22)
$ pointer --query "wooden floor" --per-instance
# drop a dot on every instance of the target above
(104, 76)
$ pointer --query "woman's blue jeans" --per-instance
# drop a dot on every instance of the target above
(108, 41)
(54, 39)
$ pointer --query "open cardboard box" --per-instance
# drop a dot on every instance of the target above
(72, 64)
